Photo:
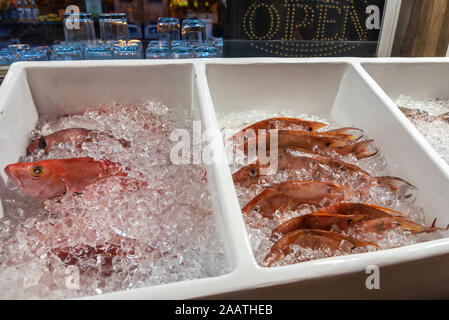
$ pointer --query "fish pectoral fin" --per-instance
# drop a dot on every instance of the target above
(69, 187)
(359, 243)
(64, 197)
(434, 226)
(287, 206)
(356, 243)
(434, 223)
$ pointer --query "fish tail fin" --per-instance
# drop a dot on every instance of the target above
(346, 130)
(417, 228)
(359, 149)
(397, 185)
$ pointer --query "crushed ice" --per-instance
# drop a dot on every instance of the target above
(159, 216)
(431, 118)
(433, 107)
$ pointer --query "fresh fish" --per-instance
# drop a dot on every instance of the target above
(291, 194)
(323, 143)
(50, 178)
(357, 216)
(281, 123)
(291, 124)
(313, 239)
(323, 168)
(75, 136)
(416, 114)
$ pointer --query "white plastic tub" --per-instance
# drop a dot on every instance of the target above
(339, 89)
(418, 78)
(67, 88)
(336, 87)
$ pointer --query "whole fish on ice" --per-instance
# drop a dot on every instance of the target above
(283, 123)
(359, 216)
(313, 239)
(320, 142)
(75, 136)
(290, 194)
(323, 169)
(50, 178)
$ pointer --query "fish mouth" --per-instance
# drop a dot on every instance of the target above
(15, 179)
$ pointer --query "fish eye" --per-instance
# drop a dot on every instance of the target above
(37, 171)
(257, 209)
(328, 144)
(310, 128)
(42, 143)
(252, 172)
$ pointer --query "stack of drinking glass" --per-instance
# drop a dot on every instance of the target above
(22, 52)
(193, 44)
(81, 43)
(74, 50)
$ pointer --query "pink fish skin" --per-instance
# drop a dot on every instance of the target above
(72, 135)
(47, 179)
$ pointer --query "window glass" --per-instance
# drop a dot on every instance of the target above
(283, 28)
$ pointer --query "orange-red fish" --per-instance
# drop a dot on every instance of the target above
(313, 239)
(283, 123)
(291, 194)
(322, 143)
(73, 135)
(50, 178)
(366, 217)
(322, 168)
